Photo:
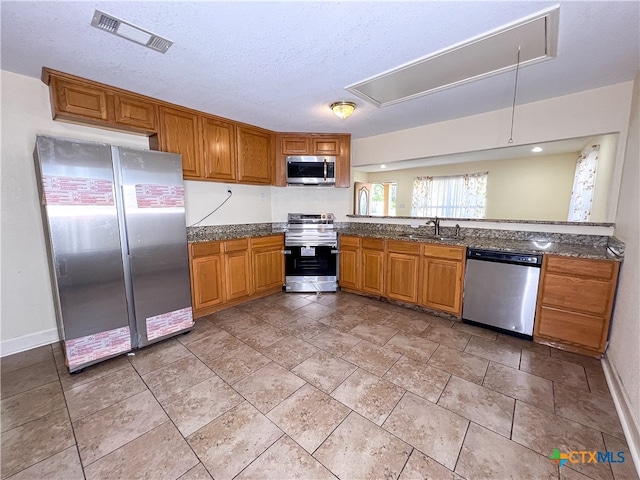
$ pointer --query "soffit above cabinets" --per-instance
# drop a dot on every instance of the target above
(497, 51)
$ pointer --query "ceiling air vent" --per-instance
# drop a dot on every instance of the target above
(494, 52)
(131, 32)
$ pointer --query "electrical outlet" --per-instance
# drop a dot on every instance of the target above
(262, 196)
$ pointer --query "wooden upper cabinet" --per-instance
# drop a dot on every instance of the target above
(295, 145)
(219, 154)
(82, 101)
(134, 112)
(326, 145)
(255, 155)
(180, 133)
(330, 144)
(72, 99)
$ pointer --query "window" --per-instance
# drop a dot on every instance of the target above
(383, 199)
(459, 196)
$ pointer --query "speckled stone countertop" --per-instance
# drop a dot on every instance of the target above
(582, 246)
(230, 232)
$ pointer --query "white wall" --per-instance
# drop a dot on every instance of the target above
(624, 352)
(248, 203)
(602, 201)
(310, 200)
(592, 112)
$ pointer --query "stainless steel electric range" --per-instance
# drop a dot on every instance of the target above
(311, 253)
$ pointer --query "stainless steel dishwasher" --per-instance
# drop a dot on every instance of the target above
(500, 289)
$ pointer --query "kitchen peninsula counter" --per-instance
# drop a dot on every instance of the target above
(598, 247)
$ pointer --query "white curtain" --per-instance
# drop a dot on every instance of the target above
(583, 185)
(459, 196)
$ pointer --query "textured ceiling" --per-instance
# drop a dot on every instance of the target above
(279, 65)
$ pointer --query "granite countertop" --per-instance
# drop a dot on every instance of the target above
(598, 252)
(580, 246)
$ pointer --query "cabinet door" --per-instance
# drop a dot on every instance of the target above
(237, 274)
(268, 269)
(349, 262)
(295, 145)
(179, 133)
(255, 156)
(402, 277)
(343, 165)
(326, 146)
(441, 284)
(219, 153)
(134, 112)
(373, 271)
(76, 100)
(206, 282)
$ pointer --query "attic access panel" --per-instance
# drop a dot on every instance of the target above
(481, 57)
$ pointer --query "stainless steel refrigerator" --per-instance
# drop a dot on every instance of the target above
(114, 223)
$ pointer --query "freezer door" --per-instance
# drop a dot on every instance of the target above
(81, 228)
(156, 241)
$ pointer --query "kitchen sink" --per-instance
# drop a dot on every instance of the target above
(427, 237)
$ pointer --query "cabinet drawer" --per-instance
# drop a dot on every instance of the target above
(605, 269)
(398, 246)
(270, 241)
(574, 293)
(204, 249)
(236, 245)
(349, 241)
(373, 243)
(442, 251)
(571, 327)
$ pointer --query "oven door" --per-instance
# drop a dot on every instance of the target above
(311, 269)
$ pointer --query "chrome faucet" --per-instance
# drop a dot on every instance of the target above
(436, 226)
(457, 231)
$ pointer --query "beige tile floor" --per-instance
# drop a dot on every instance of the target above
(304, 387)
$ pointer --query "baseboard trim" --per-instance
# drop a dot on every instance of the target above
(26, 342)
(623, 407)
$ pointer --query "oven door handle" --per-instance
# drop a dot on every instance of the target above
(337, 252)
(285, 252)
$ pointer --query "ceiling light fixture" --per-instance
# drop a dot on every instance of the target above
(343, 109)
(383, 166)
(128, 31)
(536, 149)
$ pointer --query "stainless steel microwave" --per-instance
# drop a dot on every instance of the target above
(311, 170)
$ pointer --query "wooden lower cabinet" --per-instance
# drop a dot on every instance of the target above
(349, 263)
(268, 262)
(237, 268)
(402, 262)
(575, 301)
(372, 255)
(442, 278)
(207, 265)
(227, 273)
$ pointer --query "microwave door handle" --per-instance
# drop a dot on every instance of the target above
(325, 169)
